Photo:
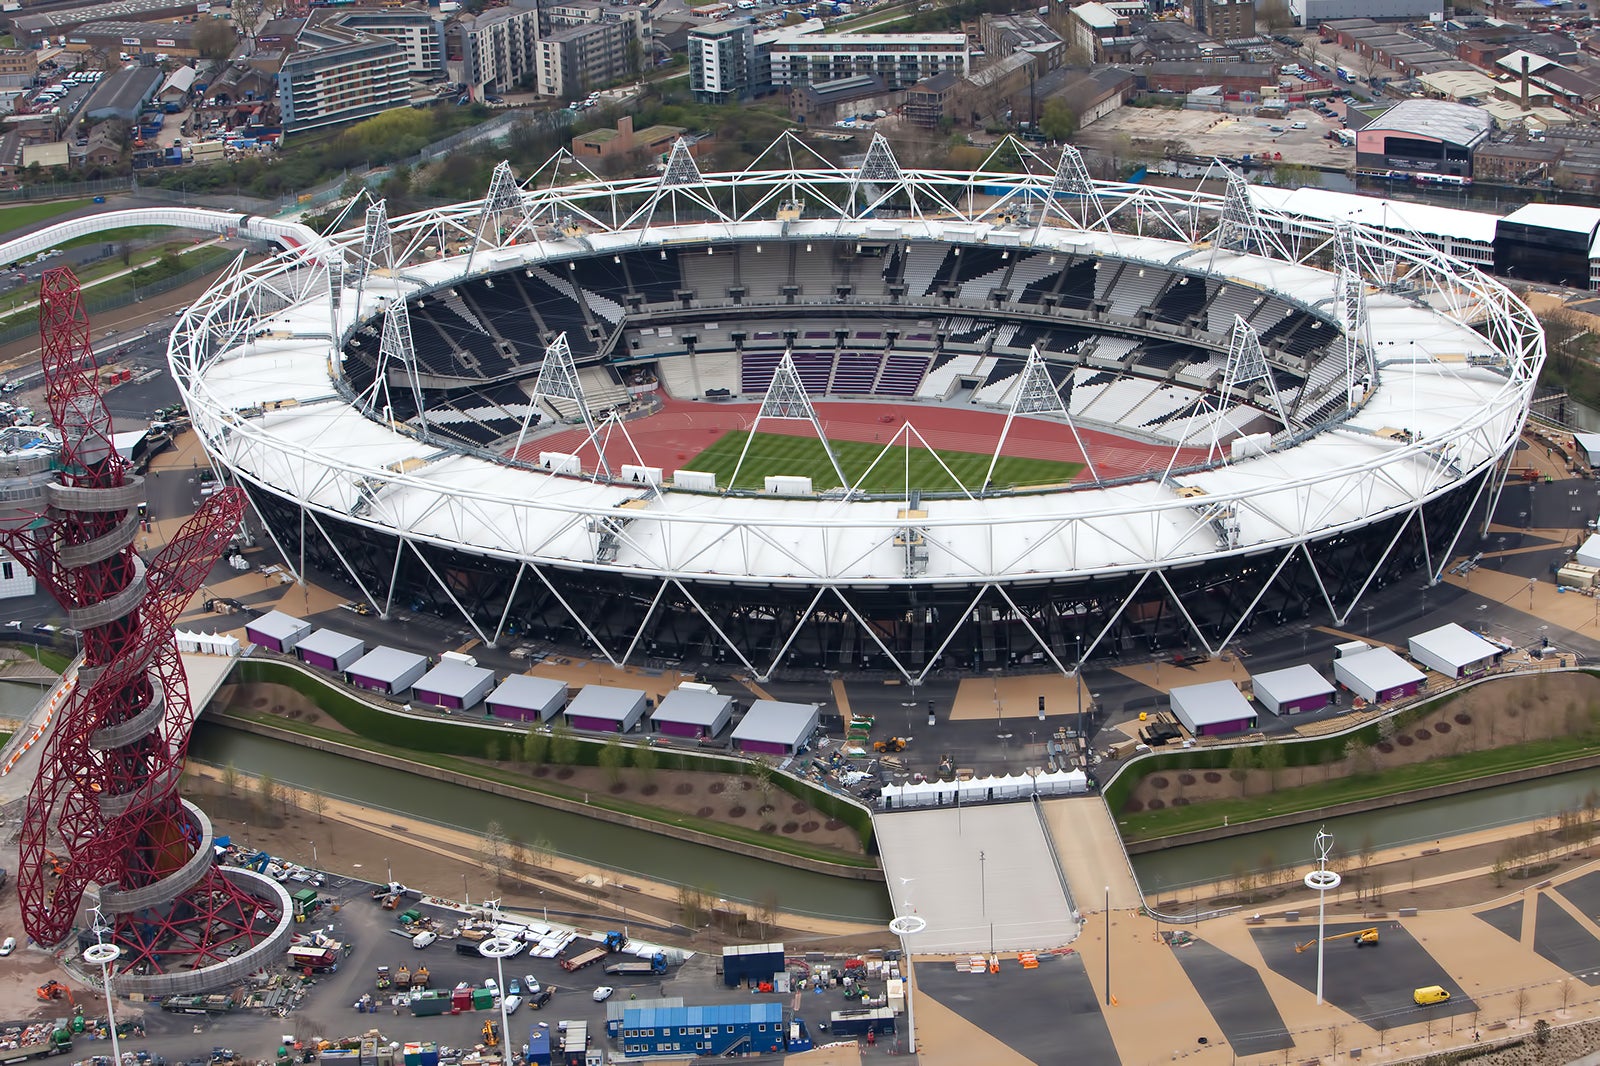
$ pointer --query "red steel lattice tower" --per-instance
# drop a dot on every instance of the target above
(104, 809)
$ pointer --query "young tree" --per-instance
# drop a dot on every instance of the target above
(317, 802)
(1240, 763)
(494, 850)
(1521, 1001)
(535, 747)
(761, 772)
(542, 852)
(563, 745)
(613, 758)
(230, 779)
(645, 761)
(692, 906)
(1058, 122)
(266, 792)
(494, 751)
(1272, 761)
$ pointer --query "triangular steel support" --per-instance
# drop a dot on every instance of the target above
(1247, 364)
(1240, 229)
(377, 242)
(558, 379)
(880, 168)
(1036, 395)
(681, 167)
(396, 348)
(505, 196)
(1072, 184)
(1353, 309)
(786, 401)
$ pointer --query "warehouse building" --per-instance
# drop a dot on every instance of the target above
(328, 649)
(387, 670)
(688, 712)
(1455, 652)
(1297, 690)
(277, 631)
(453, 684)
(605, 709)
(1423, 137)
(1216, 708)
(525, 698)
(1378, 675)
(774, 728)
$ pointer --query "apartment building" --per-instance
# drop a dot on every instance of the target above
(722, 62)
(900, 59)
(336, 74)
(573, 60)
(418, 31)
(497, 49)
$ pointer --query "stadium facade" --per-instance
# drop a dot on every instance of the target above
(1328, 407)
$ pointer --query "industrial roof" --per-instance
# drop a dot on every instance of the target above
(1564, 217)
(1395, 215)
(1212, 702)
(279, 626)
(756, 1013)
(181, 80)
(384, 663)
(452, 677)
(772, 722)
(1295, 683)
(1536, 63)
(1097, 16)
(528, 692)
(124, 92)
(1454, 123)
(1455, 645)
(1381, 668)
(329, 642)
(605, 701)
(691, 707)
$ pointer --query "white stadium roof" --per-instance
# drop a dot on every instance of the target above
(253, 361)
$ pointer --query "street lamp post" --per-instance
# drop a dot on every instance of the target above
(1108, 945)
(103, 955)
(313, 844)
(905, 926)
(500, 948)
(983, 884)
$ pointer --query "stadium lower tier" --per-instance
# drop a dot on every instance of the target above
(779, 627)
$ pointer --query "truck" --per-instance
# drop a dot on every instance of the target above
(584, 958)
(36, 1041)
(656, 964)
(315, 959)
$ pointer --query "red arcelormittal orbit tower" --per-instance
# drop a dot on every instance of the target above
(104, 810)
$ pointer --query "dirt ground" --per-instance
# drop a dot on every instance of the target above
(1490, 715)
(727, 798)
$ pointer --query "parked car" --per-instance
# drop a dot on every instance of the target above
(603, 993)
(512, 1003)
(8, 945)
(423, 939)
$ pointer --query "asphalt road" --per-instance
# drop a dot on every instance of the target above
(1236, 997)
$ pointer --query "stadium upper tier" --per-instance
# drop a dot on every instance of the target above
(877, 281)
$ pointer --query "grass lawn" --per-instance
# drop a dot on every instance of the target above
(776, 453)
(467, 768)
(26, 214)
(1169, 821)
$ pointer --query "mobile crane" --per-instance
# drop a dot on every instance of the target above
(1363, 937)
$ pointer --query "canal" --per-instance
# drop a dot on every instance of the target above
(627, 851)
(1423, 822)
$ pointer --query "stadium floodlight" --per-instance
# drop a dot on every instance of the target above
(1353, 310)
(504, 198)
(396, 349)
(1247, 367)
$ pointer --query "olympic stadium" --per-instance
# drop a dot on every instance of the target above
(867, 417)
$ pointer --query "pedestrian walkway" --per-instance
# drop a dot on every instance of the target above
(1091, 853)
(982, 877)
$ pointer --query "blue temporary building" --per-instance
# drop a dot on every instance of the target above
(538, 1047)
(754, 1028)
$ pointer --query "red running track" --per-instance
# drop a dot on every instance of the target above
(682, 429)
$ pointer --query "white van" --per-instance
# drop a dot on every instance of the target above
(423, 939)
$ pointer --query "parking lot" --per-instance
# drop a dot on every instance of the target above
(368, 933)
(1300, 137)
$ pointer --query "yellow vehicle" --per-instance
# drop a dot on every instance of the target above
(1363, 937)
(1426, 997)
(491, 1034)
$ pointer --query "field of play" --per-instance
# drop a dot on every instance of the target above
(778, 453)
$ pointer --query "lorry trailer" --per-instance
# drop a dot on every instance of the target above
(656, 964)
(584, 958)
